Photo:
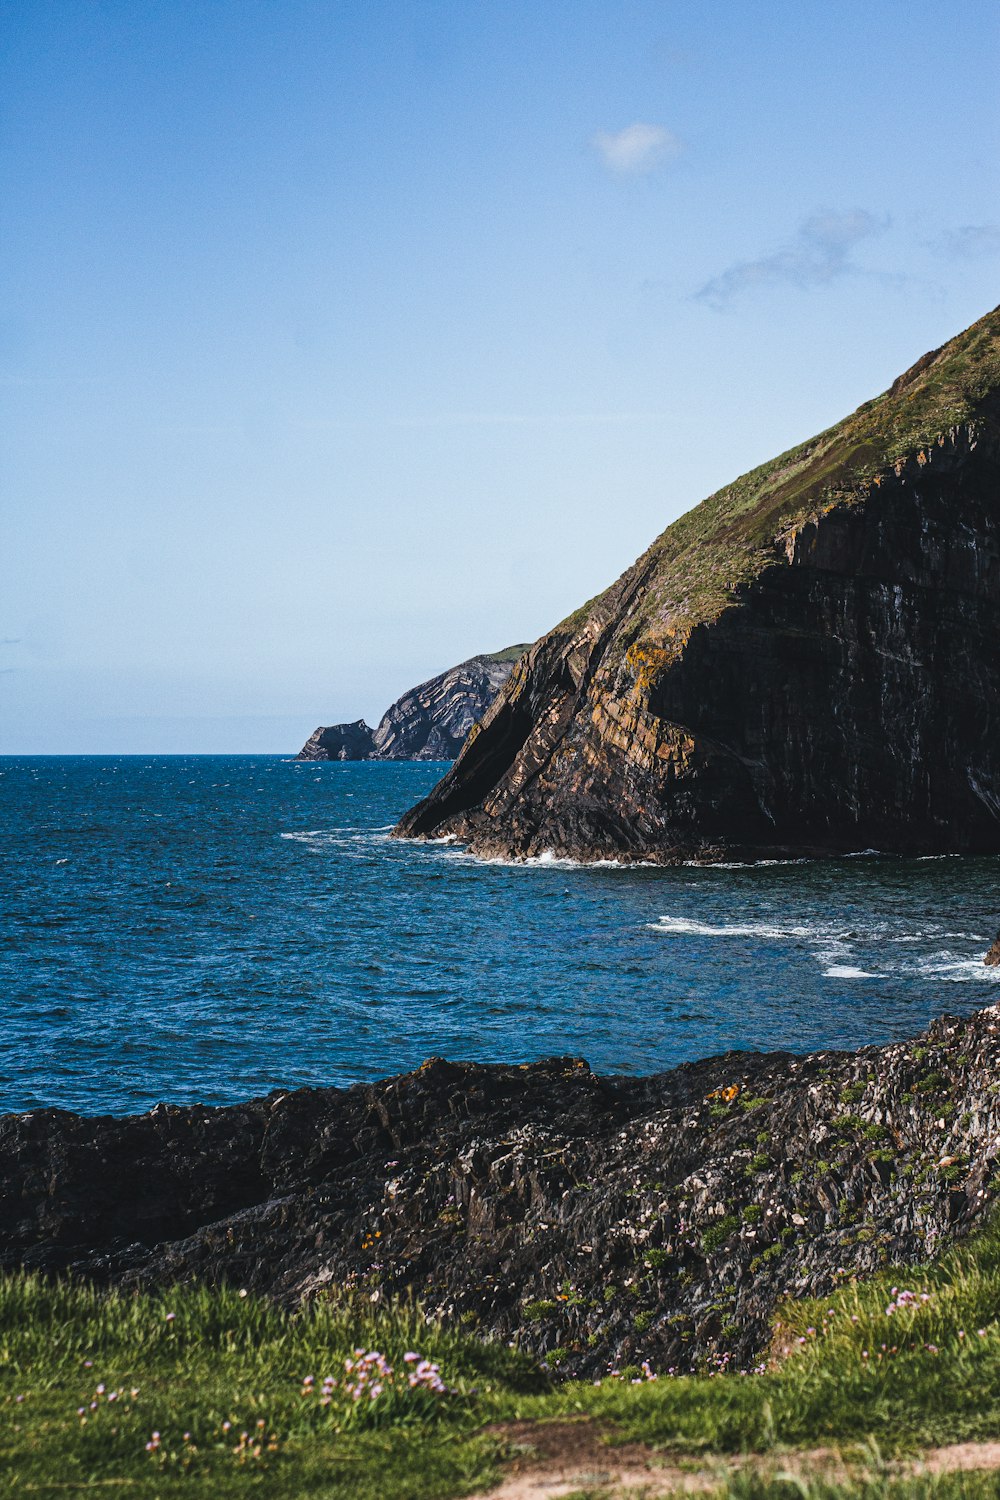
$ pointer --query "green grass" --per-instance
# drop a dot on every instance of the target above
(222, 1358)
(192, 1360)
(870, 1486)
(509, 653)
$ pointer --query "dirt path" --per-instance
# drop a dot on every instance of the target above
(550, 1460)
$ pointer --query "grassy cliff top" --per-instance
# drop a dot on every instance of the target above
(724, 542)
(210, 1394)
(509, 653)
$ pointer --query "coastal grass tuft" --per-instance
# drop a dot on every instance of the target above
(212, 1393)
(216, 1393)
(909, 1357)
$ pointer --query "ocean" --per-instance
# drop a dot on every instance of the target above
(209, 928)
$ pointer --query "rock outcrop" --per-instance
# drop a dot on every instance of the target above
(596, 1220)
(992, 959)
(339, 742)
(430, 722)
(805, 663)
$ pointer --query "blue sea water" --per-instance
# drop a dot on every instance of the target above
(209, 928)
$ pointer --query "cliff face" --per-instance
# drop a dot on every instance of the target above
(681, 1208)
(339, 742)
(430, 722)
(805, 663)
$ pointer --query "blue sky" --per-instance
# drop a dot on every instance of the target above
(340, 341)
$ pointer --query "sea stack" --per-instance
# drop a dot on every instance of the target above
(805, 663)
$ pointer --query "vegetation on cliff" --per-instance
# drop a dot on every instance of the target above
(200, 1393)
(802, 664)
(700, 560)
(729, 1229)
(596, 1222)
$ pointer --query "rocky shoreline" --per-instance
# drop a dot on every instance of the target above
(598, 1221)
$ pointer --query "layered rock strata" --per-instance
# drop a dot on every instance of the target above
(805, 663)
(596, 1220)
(430, 722)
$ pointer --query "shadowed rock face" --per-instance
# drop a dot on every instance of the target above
(339, 742)
(806, 663)
(678, 1208)
(430, 722)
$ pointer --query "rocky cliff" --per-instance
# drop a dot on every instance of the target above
(430, 722)
(339, 742)
(805, 663)
(595, 1220)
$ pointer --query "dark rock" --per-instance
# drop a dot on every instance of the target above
(339, 742)
(806, 663)
(992, 958)
(613, 1219)
(430, 722)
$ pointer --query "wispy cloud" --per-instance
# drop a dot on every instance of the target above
(638, 149)
(970, 242)
(820, 253)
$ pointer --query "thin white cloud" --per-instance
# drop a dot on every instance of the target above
(638, 149)
(970, 242)
(820, 253)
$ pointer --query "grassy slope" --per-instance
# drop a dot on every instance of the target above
(927, 1373)
(723, 542)
(509, 653)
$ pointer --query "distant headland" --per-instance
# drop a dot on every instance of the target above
(430, 722)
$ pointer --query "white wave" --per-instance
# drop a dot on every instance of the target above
(686, 926)
(848, 971)
(335, 838)
(955, 970)
(740, 864)
(547, 860)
